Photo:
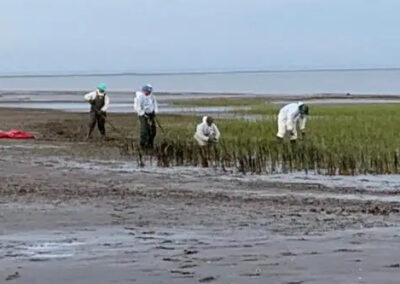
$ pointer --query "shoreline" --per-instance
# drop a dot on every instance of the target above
(14, 95)
(122, 102)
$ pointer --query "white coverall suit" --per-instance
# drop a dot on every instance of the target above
(203, 132)
(288, 118)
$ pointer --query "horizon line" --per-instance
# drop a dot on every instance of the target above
(246, 71)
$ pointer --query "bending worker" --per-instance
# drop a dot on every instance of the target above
(99, 102)
(289, 116)
(207, 132)
(146, 108)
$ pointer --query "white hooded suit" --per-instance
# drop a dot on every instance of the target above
(203, 132)
(288, 118)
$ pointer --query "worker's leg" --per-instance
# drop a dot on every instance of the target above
(101, 120)
(281, 128)
(152, 131)
(203, 156)
(144, 132)
(293, 134)
(92, 123)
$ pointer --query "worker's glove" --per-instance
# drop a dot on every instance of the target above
(212, 138)
(103, 113)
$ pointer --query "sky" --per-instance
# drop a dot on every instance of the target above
(62, 36)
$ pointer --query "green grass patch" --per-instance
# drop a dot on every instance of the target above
(345, 139)
(220, 102)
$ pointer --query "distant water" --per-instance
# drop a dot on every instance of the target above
(293, 82)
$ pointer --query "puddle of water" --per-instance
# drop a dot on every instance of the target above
(34, 146)
(120, 107)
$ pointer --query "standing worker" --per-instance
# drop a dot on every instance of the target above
(288, 118)
(99, 102)
(146, 108)
(207, 132)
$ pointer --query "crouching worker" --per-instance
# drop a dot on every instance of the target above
(207, 132)
(289, 117)
(99, 102)
(146, 108)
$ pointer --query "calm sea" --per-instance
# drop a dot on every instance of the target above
(293, 82)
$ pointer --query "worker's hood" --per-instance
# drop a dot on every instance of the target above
(100, 94)
(205, 119)
(300, 103)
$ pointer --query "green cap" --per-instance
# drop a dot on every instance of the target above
(102, 87)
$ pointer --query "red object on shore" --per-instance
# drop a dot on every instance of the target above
(15, 134)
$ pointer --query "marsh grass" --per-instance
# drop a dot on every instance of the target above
(345, 140)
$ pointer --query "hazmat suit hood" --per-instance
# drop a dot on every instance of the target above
(205, 119)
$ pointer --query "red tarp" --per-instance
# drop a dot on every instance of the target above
(16, 134)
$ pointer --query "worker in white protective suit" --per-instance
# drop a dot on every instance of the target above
(207, 132)
(289, 117)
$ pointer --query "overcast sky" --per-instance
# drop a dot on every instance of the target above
(40, 36)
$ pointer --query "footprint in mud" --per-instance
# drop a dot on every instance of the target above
(251, 274)
(207, 279)
(271, 264)
(182, 272)
(347, 250)
(188, 251)
(250, 259)
(210, 259)
(356, 242)
(164, 248)
(189, 265)
(394, 265)
(13, 276)
(15, 255)
(146, 238)
(312, 253)
(300, 239)
(171, 259)
(39, 259)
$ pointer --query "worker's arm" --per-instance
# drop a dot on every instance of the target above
(138, 105)
(200, 134)
(89, 97)
(106, 103)
(302, 123)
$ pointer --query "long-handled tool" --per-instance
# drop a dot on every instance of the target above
(112, 125)
(159, 125)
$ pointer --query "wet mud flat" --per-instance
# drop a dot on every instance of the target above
(73, 214)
